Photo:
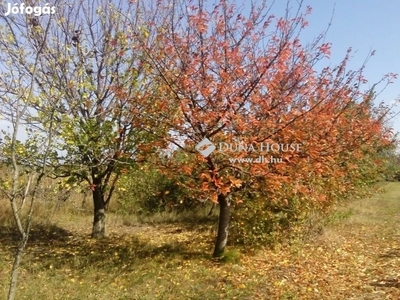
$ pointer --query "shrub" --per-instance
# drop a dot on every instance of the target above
(146, 190)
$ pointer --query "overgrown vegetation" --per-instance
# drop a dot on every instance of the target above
(146, 190)
(170, 261)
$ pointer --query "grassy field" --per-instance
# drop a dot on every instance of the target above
(355, 256)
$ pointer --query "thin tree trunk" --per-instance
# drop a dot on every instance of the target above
(223, 225)
(211, 210)
(99, 222)
(15, 267)
(24, 232)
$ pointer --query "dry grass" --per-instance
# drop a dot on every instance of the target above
(356, 257)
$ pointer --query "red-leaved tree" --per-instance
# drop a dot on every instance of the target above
(245, 84)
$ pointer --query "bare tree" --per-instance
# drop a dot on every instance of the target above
(27, 157)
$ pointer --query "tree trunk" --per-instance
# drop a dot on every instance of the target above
(223, 225)
(99, 222)
(14, 271)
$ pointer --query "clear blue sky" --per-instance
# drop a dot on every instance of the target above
(364, 25)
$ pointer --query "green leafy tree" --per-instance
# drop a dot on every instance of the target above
(91, 81)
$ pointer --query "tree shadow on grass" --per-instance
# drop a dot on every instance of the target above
(39, 234)
(387, 283)
(392, 253)
(50, 246)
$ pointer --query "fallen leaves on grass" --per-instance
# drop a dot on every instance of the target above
(354, 260)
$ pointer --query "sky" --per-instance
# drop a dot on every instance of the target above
(363, 25)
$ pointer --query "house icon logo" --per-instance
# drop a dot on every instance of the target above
(205, 147)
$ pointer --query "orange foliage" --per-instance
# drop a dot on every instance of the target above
(233, 82)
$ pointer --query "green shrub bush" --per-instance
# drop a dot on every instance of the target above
(146, 190)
